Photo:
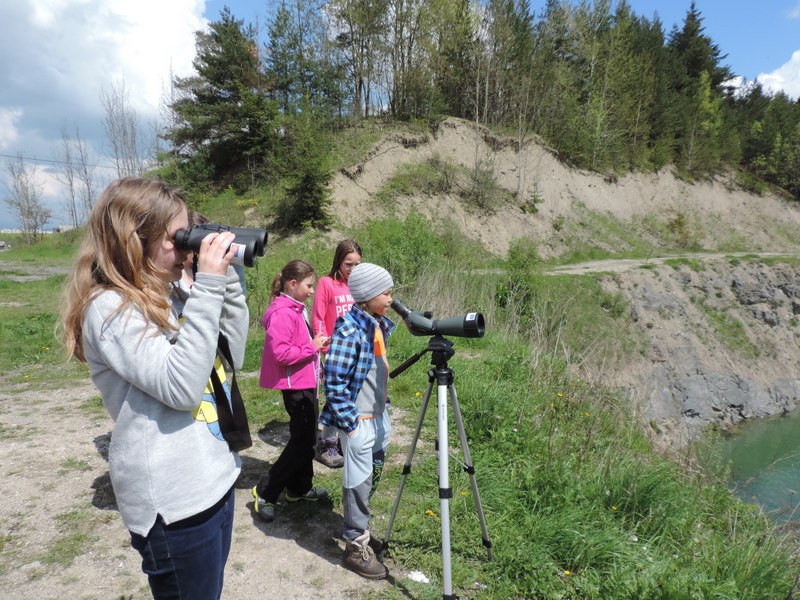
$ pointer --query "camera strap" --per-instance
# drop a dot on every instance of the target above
(230, 407)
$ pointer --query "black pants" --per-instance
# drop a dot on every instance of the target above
(294, 468)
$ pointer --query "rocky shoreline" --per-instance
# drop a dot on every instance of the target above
(722, 338)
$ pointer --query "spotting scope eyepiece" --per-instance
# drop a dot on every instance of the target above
(470, 325)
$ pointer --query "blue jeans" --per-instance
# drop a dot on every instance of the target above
(186, 560)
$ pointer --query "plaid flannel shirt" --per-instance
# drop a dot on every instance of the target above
(350, 357)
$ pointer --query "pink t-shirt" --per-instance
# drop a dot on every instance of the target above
(332, 299)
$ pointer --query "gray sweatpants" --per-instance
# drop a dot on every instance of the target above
(364, 454)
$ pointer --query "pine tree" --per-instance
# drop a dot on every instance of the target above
(224, 120)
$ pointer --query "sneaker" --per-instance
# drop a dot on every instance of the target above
(311, 495)
(359, 558)
(265, 510)
(327, 453)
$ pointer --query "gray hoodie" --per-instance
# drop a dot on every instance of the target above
(163, 460)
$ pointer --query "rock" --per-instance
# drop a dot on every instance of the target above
(749, 293)
(769, 317)
(650, 299)
(786, 393)
(792, 290)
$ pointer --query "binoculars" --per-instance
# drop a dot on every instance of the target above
(249, 243)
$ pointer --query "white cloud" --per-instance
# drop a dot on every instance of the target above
(785, 78)
(78, 46)
(59, 54)
(9, 134)
(794, 13)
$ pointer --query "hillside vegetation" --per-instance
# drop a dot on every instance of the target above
(604, 88)
(579, 504)
(508, 142)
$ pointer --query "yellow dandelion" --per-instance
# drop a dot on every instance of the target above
(418, 394)
(430, 513)
(613, 508)
(552, 405)
(464, 493)
(560, 395)
(567, 573)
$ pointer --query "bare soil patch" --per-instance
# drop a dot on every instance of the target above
(62, 536)
(715, 212)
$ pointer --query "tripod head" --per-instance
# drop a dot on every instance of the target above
(441, 350)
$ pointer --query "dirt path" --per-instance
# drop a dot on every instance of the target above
(57, 501)
(620, 265)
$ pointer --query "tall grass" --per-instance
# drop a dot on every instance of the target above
(578, 504)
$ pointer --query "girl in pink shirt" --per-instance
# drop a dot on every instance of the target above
(290, 363)
(331, 301)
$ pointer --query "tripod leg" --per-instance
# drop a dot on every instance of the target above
(470, 469)
(409, 458)
(445, 491)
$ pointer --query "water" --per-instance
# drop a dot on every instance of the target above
(764, 456)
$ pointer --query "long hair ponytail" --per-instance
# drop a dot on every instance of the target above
(294, 269)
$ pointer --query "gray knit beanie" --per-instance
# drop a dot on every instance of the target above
(367, 281)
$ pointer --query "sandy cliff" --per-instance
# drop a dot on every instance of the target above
(722, 331)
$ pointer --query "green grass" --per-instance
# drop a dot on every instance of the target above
(693, 264)
(730, 331)
(93, 407)
(772, 260)
(28, 340)
(578, 503)
(52, 250)
(596, 236)
(355, 143)
(74, 464)
(28, 319)
(436, 176)
(76, 529)
(228, 207)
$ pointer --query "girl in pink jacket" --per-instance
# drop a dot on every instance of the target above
(290, 363)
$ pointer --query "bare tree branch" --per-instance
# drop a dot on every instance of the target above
(25, 200)
(122, 128)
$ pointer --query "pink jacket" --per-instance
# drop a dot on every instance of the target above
(290, 360)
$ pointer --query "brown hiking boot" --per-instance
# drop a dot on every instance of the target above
(359, 558)
(327, 452)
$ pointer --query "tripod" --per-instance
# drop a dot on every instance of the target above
(441, 350)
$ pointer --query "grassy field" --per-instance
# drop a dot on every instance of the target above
(578, 504)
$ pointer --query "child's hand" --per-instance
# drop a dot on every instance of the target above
(320, 341)
(216, 253)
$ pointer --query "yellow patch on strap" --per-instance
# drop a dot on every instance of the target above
(223, 377)
(206, 412)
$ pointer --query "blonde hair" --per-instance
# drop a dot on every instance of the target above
(128, 216)
(294, 269)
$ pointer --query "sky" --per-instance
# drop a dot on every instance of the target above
(58, 56)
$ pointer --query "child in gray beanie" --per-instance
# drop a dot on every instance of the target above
(356, 383)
